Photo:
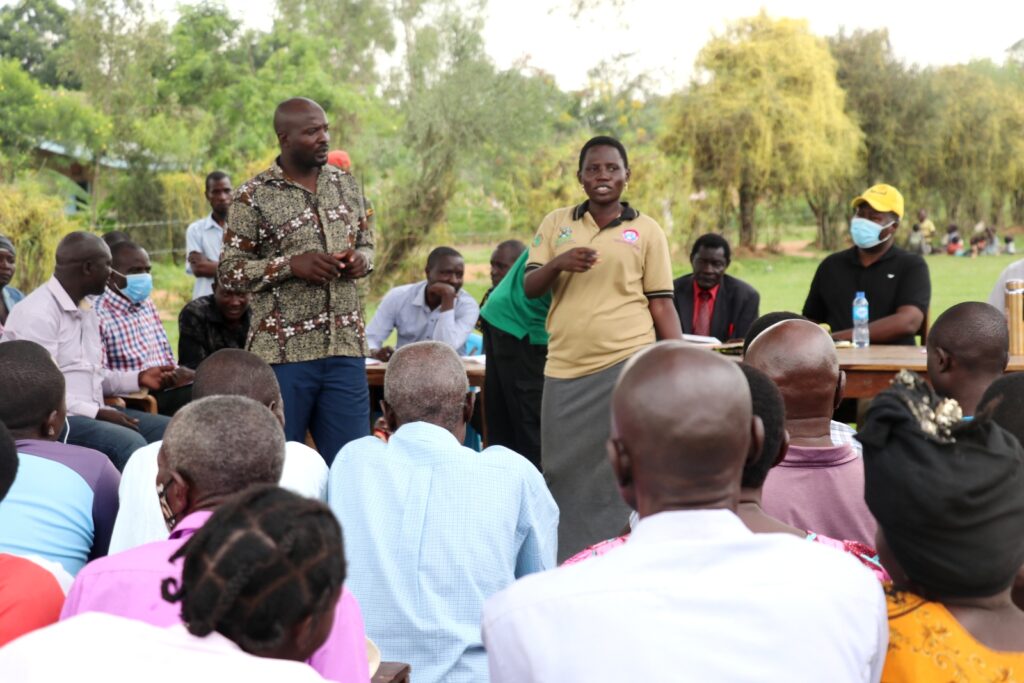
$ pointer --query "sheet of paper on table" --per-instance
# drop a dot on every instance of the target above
(373, 361)
(700, 339)
(481, 359)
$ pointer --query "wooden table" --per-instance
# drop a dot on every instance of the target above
(392, 672)
(474, 373)
(868, 371)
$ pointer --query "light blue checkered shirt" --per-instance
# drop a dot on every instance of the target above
(432, 530)
(843, 434)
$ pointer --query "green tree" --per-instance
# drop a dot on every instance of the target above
(35, 33)
(33, 115)
(351, 33)
(764, 116)
(457, 112)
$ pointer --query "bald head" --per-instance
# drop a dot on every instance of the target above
(80, 246)
(83, 265)
(800, 358)
(975, 333)
(301, 127)
(234, 372)
(968, 348)
(682, 429)
(294, 112)
(426, 382)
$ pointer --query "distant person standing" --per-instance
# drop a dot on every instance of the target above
(297, 240)
(204, 239)
(609, 273)
(927, 230)
(896, 282)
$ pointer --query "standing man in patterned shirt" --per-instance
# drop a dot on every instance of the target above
(297, 239)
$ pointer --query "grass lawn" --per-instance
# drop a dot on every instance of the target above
(782, 281)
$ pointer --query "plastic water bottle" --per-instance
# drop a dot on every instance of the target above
(861, 337)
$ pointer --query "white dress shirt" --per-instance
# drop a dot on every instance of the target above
(405, 309)
(139, 519)
(206, 237)
(693, 596)
(104, 647)
(71, 334)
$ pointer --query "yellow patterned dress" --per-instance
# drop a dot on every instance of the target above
(928, 645)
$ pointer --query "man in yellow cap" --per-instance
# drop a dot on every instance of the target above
(895, 282)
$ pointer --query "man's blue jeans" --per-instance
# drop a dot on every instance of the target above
(327, 397)
(117, 442)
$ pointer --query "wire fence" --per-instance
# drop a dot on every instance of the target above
(165, 240)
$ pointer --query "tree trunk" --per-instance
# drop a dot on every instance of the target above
(827, 238)
(748, 202)
(1017, 207)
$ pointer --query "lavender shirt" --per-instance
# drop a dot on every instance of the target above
(62, 504)
(821, 489)
(71, 334)
(128, 584)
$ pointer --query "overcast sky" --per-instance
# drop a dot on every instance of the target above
(664, 37)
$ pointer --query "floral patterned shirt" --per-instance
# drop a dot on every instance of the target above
(273, 218)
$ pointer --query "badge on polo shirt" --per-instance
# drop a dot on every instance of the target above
(630, 236)
(564, 236)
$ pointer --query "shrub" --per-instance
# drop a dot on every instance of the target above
(35, 222)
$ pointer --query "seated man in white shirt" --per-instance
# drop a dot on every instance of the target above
(693, 591)
(432, 529)
(435, 309)
(228, 372)
(255, 626)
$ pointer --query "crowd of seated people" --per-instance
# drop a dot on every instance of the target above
(740, 531)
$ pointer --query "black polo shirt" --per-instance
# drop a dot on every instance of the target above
(897, 279)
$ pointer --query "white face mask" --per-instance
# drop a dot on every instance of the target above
(67, 429)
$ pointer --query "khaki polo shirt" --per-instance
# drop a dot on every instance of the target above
(601, 317)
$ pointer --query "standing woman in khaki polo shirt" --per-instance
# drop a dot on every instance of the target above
(610, 276)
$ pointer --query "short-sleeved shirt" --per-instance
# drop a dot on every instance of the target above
(273, 218)
(509, 309)
(206, 237)
(601, 317)
(62, 504)
(897, 279)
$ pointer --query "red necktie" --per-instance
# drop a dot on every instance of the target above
(702, 324)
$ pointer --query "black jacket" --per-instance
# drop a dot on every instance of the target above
(735, 307)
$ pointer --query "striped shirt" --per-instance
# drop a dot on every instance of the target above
(133, 336)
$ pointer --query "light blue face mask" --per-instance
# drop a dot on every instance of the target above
(138, 287)
(865, 233)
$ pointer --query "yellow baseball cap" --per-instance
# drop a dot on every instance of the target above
(881, 198)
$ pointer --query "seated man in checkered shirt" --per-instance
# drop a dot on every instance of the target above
(132, 334)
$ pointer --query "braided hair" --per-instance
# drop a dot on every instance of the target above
(265, 560)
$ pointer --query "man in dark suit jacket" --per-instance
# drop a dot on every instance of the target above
(709, 302)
